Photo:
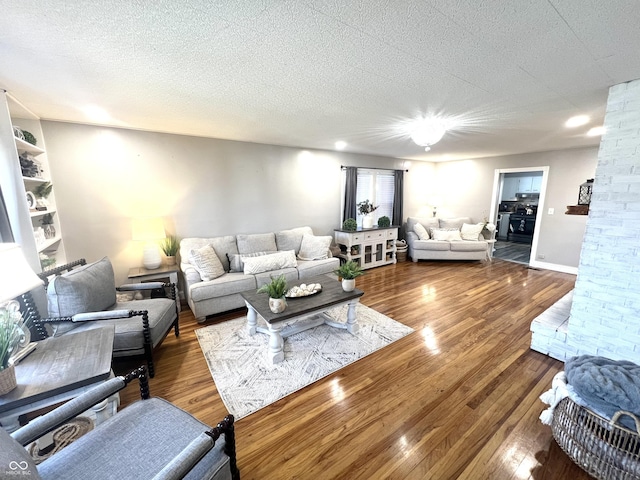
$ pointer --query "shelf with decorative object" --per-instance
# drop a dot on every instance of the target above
(374, 246)
(38, 189)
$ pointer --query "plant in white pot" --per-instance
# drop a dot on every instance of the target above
(12, 336)
(366, 208)
(348, 272)
(170, 247)
(276, 289)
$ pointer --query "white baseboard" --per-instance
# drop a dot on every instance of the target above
(554, 266)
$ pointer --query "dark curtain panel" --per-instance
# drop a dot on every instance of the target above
(397, 197)
(6, 235)
(351, 187)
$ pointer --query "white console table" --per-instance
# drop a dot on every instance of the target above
(369, 247)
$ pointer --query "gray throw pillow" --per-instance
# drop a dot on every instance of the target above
(90, 288)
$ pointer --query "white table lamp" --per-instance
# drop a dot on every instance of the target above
(149, 230)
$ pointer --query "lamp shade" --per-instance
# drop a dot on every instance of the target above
(147, 229)
(16, 276)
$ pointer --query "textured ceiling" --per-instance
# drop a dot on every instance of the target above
(308, 73)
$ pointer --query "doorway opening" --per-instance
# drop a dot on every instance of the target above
(518, 199)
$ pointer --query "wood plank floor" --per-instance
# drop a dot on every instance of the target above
(458, 398)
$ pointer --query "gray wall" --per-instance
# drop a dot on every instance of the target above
(466, 189)
(103, 177)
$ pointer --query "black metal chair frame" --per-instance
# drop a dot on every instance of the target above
(39, 322)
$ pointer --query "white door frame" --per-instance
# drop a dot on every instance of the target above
(497, 194)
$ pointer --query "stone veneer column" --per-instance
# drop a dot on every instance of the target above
(605, 313)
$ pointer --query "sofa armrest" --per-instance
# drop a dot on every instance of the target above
(411, 237)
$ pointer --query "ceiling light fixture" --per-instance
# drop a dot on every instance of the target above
(340, 145)
(595, 131)
(427, 132)
(577, 121)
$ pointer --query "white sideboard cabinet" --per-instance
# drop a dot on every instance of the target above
(369, 247)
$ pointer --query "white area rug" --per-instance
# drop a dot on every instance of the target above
(247, 381)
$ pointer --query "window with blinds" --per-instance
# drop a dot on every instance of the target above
(378, 187)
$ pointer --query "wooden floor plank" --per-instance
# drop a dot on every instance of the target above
(458, 398)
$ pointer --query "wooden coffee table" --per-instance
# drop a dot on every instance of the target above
(59, 369)
(307, 312)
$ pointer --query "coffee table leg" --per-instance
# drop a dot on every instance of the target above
(352, 321)
(252, 320)
(276, 343)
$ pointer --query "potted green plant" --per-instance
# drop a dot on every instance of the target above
(348, 272)
(366, 208)
(170, 247)
(11, 334)
(276, 289)
(350, 225)
(47, 226)
(42, 192)
(384, 221)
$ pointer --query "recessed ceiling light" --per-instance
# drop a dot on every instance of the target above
(577, 121)
(340, 145)
(595, 131)
(96, 114)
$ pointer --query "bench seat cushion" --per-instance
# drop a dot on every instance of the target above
(156, 429)
(432, 245)
(313, 268)
(468, 246)
(228, 284)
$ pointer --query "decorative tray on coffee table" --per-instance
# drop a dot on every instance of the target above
(303, 290)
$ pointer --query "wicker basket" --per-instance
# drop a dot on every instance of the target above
(401, 251)
(601, 447)
(7, 379)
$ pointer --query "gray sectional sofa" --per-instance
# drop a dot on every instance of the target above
(248, 262)
(476, 246)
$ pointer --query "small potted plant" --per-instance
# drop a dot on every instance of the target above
(170, 247)
(348, 272)
(276, 289)
(42, 192)
(366, 208)
(11, 334)
(384, 221)
(47, 226)
(350, 225)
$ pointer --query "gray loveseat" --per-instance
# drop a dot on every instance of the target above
(449, 239)
(248, 262)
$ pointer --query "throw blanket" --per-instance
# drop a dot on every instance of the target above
(606, 385)
(559, 390)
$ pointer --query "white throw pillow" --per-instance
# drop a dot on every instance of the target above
(314, 248)
(236, 262)
(471, 231)
(447, 234)
(268, 263)
(207, 263)
(421, 231)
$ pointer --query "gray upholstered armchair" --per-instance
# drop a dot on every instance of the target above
(83, 296)
(151, 438)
